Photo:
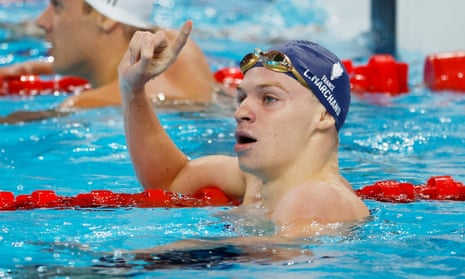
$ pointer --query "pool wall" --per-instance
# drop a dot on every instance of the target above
(430, 26)
(425, 26)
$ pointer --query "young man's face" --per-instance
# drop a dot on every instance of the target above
(276, 119)
(71, 32)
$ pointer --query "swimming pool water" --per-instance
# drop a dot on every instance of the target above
(410, 138)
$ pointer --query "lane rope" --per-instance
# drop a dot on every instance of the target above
(27, 85)
(207, 196)
(381, 74)
(436, 188)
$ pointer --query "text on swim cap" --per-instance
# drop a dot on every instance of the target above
(112, 2)
(326, 89)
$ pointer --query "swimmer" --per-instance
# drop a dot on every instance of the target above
(292, 102)
(88, 39)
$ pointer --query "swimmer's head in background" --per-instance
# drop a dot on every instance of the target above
(313, 66)
(136, 13)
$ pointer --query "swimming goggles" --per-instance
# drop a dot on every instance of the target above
(273, 60)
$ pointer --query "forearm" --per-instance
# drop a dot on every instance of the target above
(30, 116)
(258, 248)
(156, 158)
(28, 68)
(39, 68)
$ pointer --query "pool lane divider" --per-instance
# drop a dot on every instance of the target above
(436, 188)
(27, 85)
(381, 74)
(207, 196)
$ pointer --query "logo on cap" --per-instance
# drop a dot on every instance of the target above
(336, 71)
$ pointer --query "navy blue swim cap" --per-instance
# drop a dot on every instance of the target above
(323, 72)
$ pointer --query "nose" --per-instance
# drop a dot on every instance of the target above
(43, 21)
(244, 112)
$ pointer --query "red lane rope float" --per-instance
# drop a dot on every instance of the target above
(445, 71)
(207, 196)
(382, 74)
(229, 76)
(436, 188)
(34, 85)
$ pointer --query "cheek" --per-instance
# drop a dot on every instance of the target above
(288, 134)
(298, 129)
(74, 37)
(66, 32)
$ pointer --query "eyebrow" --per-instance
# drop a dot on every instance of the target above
(265, 85)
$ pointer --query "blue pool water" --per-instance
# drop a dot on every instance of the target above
(410, 138)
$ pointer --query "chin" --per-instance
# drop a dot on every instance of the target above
(243, 164)
(251, 167)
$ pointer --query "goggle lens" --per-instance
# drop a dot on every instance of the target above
(273, 60)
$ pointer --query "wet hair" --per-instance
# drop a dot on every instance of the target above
(86, 8)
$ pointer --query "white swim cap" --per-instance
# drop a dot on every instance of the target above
(137, 13)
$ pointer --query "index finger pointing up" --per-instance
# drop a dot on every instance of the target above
(182, 37)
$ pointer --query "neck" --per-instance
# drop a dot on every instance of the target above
(319, 162)
(103, 65)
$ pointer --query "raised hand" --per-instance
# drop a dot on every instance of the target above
(149, 55)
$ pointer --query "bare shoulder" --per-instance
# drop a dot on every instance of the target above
(319, 202)
(219, 170)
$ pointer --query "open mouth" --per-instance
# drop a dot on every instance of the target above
(244, 139)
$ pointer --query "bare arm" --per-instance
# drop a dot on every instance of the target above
(27, 68)
(156, 158)
(253, 248)
(29, 116)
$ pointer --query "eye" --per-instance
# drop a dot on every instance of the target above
(241, 95)
(56, 4)
(269, 99)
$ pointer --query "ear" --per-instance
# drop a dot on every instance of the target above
(106, 24)
(326, 121)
